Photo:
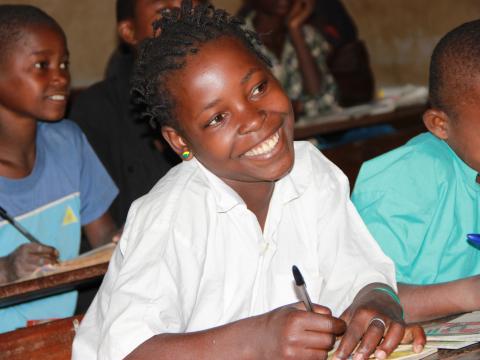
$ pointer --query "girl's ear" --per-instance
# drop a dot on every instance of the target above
(126, 31)
(437, 122)
(176, 142)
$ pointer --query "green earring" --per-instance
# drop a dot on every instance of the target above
(186, 154)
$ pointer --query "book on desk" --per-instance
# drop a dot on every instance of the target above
(51, 279)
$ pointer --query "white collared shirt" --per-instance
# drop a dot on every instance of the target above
(192, 256)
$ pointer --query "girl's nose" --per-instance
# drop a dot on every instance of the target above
(252, 121)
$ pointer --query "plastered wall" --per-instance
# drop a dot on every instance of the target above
(400, 34)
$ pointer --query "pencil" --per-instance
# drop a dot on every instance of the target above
(20, 228)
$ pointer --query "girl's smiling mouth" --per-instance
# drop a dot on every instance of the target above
(265, 147)
(57, 97)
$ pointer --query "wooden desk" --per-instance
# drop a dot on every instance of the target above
(53, 341)
(18, 292)
(350, 157)
(401, 117)
(471, 352)
(49, 341)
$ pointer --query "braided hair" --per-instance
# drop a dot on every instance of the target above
(178, 33)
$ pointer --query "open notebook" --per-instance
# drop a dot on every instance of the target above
(100, 255)
(403, 352)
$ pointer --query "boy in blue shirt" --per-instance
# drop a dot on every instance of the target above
(421, 200)
(50, 179)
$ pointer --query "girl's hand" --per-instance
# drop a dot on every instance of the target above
(415, 335)
(373, 316)
(28, 257)
(293, 333)
(299, 13)
(117, 235)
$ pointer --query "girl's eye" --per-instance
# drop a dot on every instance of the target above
(64, 65)
(259, 89)
(41, 65)
(217, 119)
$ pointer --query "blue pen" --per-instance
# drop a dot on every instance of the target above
(474, 239)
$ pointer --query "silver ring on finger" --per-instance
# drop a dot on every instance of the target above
(378, 321)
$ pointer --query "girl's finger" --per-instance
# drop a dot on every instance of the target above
(371, 338)
(392, 338)
(319, 309)
(43, 250)
(415, 335)
(349, 340)
(39, 260)
(318, 341)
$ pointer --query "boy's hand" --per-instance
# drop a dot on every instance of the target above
(373, 316)
(299, 13)
(293, 333)
(28, 257)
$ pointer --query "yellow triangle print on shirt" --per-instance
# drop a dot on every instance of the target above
(69, 217)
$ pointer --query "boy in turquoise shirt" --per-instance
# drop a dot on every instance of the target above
(421, 200)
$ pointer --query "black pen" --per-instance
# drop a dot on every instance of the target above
(302, 288)
(16, 225)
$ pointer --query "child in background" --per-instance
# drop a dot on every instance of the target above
(106, 115)
(50, 179)
(348, 60)
(421, 200)
(299, 56)
(203, 270)
(298, 52)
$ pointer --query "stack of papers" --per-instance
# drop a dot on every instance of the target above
(389, 99)
(403, 352)
(454, 334)
(461, 331)
(404, 95)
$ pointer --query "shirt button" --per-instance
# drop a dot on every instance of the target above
(264, 247)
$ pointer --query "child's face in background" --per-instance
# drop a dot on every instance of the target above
(146, 12)
(234, 115)
(273, 7)
(34, 76)
(464, 130)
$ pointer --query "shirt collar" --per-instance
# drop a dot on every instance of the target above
(469, 174)
(296, 182)
(290, 187)
(225, 197)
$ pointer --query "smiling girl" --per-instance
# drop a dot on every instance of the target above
(203, 270)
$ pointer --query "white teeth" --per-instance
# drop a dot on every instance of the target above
(57, 97)
(265, 147)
